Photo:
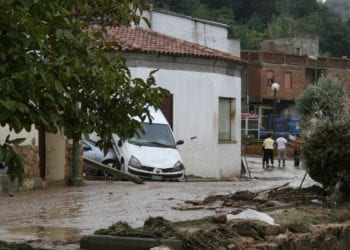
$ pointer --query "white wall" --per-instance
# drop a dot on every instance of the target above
(210, 34)
(31, 136)
(196, 99)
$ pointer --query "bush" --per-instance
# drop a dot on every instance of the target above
(326, 151)
(323, 110)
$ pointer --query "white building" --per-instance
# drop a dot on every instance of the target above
(206, 91)
(207, 33)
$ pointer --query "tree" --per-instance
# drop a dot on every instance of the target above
(297, 8)
(250, 38)
(323, 109)
(282, 26)
(325, 99)
(340, 6)
(55, 71)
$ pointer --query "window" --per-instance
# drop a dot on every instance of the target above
(287, 80)
(167, 109)
(226, 119)
(269, 77)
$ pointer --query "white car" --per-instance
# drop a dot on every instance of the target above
(93, 152)
(153, 154)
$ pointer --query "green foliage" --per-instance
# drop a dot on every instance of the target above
(10, 159)
(55, 74)
(247, 139)
(297, 8)
(326, 150)
(323, 109)
(253, 20)
(250, 38)
(340, 6)
(323, 100)
(282, 26)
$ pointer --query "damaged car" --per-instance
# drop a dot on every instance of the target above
(152, 152)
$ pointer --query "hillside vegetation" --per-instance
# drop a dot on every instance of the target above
(252, 21)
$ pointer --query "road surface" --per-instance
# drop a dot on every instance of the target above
(58, 217)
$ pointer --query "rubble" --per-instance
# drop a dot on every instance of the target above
(254, 229)
(278, 197)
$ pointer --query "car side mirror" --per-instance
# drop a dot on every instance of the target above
(120, 143)
(179, 142)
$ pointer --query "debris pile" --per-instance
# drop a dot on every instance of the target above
(278, 197)
(224, 231)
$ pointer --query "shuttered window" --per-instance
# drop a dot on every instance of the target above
(167, 109)
(226, 119)
(269, 78)
(287, 80)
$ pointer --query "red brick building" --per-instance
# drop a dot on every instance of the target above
(292, 72)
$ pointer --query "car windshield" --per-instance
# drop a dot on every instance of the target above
(154, 135)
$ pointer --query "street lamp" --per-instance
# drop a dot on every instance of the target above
(275, 87)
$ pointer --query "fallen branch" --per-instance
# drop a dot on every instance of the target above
(273, 189)
(301, 184)
(114, 172)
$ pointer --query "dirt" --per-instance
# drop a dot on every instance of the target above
(17, 246)
(277, 197)
(301, 217)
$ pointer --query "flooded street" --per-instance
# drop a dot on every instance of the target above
(58, 217)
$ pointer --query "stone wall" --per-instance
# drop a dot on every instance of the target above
(30, 154)
(294, 46)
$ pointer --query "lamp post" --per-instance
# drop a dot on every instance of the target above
(275, 87)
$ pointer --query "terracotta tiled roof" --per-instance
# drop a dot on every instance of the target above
(148, 41)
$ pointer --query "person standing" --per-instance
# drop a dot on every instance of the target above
(281, 150)
(268, 151)
(296, 150)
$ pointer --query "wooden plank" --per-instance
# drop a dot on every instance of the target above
(114, 172)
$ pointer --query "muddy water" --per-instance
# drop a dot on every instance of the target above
(59, 216)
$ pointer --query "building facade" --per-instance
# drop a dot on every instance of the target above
(292, 62)
(207, 33)
(293, 73)
(205, 104)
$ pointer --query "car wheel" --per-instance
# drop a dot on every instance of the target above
(112, 163)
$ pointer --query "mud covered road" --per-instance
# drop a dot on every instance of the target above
(58, 217)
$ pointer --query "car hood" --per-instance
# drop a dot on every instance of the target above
(157, 157)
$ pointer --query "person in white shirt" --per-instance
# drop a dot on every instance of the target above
(281, 150)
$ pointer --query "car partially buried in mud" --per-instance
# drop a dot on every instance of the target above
(152, 152)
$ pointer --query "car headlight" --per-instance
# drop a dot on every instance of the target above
(135, 163)
(179, 166)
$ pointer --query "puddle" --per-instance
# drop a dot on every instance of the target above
(44, 236)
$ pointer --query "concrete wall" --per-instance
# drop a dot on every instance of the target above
(210, 34)
(55, 153)
(55, 156)
(31, 136)
(196, 97)
(294, 46)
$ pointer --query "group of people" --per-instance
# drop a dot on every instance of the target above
(281, 142)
